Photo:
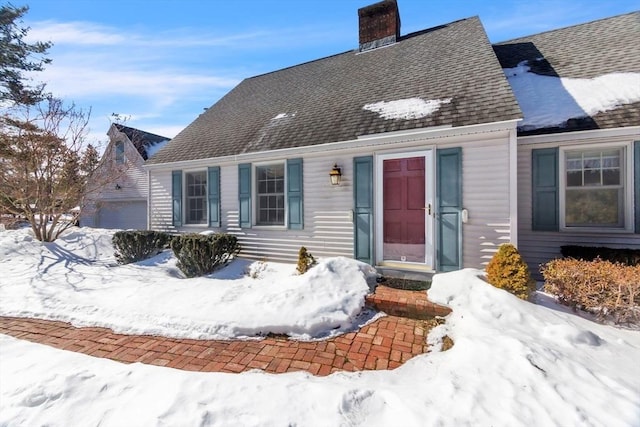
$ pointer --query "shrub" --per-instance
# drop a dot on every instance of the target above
(305, 260)
(507, 270)
(137, 245)
(590, 253)
(200, 254)
(600, 287)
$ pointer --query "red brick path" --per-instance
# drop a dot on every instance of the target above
(383, 344)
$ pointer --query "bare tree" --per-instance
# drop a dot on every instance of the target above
(44, 165)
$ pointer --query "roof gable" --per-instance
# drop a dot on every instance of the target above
(447, 75)
(146, 143)
(582, 77)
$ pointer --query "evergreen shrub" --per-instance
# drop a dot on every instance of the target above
(507, 270)
(200, 254)
(609, 290)
(305, 260)
(137, 245)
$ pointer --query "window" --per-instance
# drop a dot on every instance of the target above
(595, 188)
(119, 152)
(196, 197)
(270, 194)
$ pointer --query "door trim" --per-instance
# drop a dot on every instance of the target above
(429, 197)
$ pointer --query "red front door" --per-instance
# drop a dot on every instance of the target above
(403, 206)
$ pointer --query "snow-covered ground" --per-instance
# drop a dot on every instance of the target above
(513, 363)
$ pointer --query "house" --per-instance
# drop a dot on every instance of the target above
(419, 130)
(117, 197)
(579, 140)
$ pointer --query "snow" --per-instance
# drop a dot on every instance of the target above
(155, 147)
(514, 363)
(75, 279)
(284, 116)
(406, 109)
(548, 101)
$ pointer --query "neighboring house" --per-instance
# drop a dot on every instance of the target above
(579, 141)
(118, 188)
(421, 129)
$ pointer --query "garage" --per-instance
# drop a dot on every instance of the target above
(123, 215)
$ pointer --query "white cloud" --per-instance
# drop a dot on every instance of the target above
(80, 33)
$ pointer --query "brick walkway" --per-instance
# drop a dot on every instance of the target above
(383, 344)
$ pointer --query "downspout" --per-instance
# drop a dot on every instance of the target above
(513, 186)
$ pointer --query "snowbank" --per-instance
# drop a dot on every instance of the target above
(514, 363)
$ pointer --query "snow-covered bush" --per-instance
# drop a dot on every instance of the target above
(507, 270)
(138, 245)
(200, 254)
(607, 289)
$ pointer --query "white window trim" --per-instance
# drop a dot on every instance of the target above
(627, 165)
(185, 205)
(254, 196)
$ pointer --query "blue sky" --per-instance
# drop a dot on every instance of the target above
(162, 62)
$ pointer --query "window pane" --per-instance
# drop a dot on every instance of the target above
(120, 152)
(196, 197)
(270, 194)
(611, 177)
(574, 179)
(592, 177)
(594, 207)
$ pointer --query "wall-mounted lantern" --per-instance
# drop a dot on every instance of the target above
(336, 175)
(118, 187)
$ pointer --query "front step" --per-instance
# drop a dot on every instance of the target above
(402, 272)
(410, 304)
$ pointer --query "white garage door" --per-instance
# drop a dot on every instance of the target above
(123, 215)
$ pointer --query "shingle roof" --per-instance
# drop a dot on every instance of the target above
(322, 101)
(584, 51)
(143, 141)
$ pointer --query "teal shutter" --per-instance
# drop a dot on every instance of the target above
(294, 194)
(176, 198)
(363, 206)
(545, 192)
(449, 205)
(636, 183)
(244, 194)
(213, 184)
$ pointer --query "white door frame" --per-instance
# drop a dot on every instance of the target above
(429, 197)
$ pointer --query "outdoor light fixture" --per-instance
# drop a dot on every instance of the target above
(118, 187)
(336, 175)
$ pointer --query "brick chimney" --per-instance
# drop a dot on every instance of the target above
(379, 24)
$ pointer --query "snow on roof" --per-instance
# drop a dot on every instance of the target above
(153, 147)
(549, 101)
(406, 109)
(284, 116)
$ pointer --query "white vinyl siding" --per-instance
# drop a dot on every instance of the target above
(485, 196)
(328, 216)
(117, 183)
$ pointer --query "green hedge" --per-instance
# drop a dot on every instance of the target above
(200, 254)
(138, 245)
